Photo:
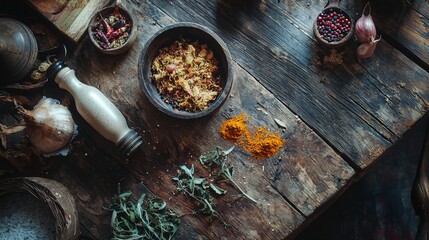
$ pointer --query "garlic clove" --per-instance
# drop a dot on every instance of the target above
(65, 150)
(366, 50)
(365, 28)
(50, 126)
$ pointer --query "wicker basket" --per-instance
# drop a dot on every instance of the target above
(53, 193)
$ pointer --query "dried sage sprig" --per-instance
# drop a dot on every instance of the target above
(199, 190)
(218, 158)
(146, 219)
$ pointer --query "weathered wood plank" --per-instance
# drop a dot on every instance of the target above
(285, 41)
(360, 112)
(166, 151)
(359, 76)
(284, 55)
(405, 26)
(70, 17)
(321, 172)
(422, 7)
(413, 83)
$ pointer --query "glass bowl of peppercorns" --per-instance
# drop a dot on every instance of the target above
(333, 27)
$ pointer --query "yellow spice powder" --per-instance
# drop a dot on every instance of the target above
(260, 143)
(233, 129)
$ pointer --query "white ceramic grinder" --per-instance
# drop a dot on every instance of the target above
(96, 109)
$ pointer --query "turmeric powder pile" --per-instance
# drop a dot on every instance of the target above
(261, 143)
(233, 129)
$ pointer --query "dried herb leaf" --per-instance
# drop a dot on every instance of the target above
(188, 171)
(280, 123)
(218, 158)
(12, 129)
(229, 150)
(217, 189)
(262, 110)
(144, 220)
(199, 190)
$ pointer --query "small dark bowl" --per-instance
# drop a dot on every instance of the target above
(133, 33)
(165, 37)
(334, 5)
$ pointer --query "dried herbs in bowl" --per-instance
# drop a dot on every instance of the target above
(186, 75)
(112, 30)
(185, 70)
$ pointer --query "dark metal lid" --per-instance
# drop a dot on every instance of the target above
(18, 50)
(129, 143)
(54, 69)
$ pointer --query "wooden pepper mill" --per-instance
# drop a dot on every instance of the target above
(96, 109)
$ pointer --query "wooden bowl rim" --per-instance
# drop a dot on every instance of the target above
(338, 43)
(149, 88)
(130, 40)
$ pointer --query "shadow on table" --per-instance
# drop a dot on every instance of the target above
(379, 205)
(388, 15)
(235, 11)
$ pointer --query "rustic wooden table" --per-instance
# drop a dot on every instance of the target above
(339, 118)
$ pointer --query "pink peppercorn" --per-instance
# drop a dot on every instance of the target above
(333, 25)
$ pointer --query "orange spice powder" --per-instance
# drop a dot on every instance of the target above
(261, 143)
(233, 129)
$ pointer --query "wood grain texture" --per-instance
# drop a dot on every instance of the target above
(354, 111)
(406, 27)
(421, 7)
(288, 187)
(69, 17)
(348, 109)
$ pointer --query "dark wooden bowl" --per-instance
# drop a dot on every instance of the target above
(133, 33)
(166, 37)
(333, 4)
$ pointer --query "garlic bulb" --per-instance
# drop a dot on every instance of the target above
(365, 27)
(50, 126)
(366, 50)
